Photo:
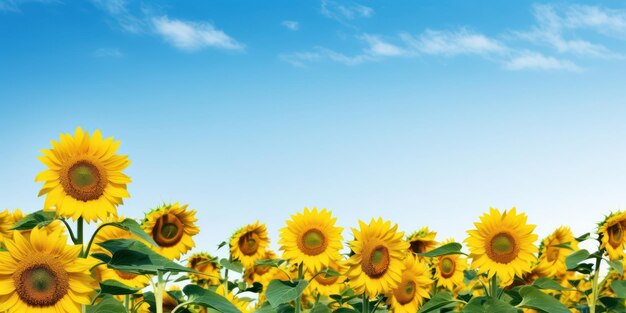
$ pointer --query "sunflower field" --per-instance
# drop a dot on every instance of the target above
(152, 263)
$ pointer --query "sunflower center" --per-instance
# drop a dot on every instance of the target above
(249, 243)
(124, 275)
(447, 267)
(417, 246)
(376, 263)
(41, 283)
(168, 230)
(502, 248)
(405, 292)
(312, 242)
(552, 254)
(84, 181)
(616, 235)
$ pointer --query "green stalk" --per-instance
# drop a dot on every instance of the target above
(127, 302)
(298, 299)
(494, 287)
(158, 293)
(365, 306)
(594, 286)
(79, 241)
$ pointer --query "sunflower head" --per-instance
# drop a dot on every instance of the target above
(242, 305)
(7, 221)
(552, 252)
(172, 227)
(502, 244)
(611, 235)
(327, 285)
(312, 239)
(422, 240)
(376, 265)
(449, 269)
(42, 273)
(261, 273)
(206, 264)
(249, 243)
(84, 176)
(412, 290)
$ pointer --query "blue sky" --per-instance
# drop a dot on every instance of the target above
(424, 112)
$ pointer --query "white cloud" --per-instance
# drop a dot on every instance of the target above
(121, 15)
(450, 43)
(301, 59)
(537, 61)
(291, 25)
(191, 36)
(378, 47)
(108, 53)
(334, 10)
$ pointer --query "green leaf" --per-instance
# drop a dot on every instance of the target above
(565, 245)
(208, 298)
(134, 228)
(617, 266)
(107, 305)
(583, 237)
(533, 298)
(321, 308)
(133, 256)
(439, 301)
(450, 248)
(113, 287)
(547, 283)
(619, 287)
(234, 266)
(572, 260)
(223, 243)
(279, 292)
(613, 305)
(270, 262)
(34, 219)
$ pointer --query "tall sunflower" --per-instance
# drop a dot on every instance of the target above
(422, 240)
(261, 273)
(327, 285)
(376, 265)
(7, 221)
(551, 256)
(248, 244)
(413, 288)
(612, 237)
(172, 227)
(242, 305)
(206, 264)
(84, 176)
(43, 274)
(449, 269)
(502, 244)
(312, 239)
(103, 272)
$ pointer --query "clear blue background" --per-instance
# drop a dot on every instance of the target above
(243, 133)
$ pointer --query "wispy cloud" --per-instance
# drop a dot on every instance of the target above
(319, 54)
(555, 26)
(14, 5)
(345, 10)
(291, 25)
(191, 36)
(379, 47)
(450, 43)
(537, 61)
(108, 53)
(122, 16)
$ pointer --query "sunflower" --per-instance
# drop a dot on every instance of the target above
(43, 274)
(413, 288)
(172, 227)
(502, 244)
(207, 264)
(422, 240)
(312, 239)
(449, 269)
(552, 256)
(7, 220)
(261, 273)
(84, 176)
(103, 272)
(612, 238)
(327, 285)
(376, 265)
(248, 244)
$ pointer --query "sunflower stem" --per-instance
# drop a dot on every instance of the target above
(69, 230)
(158, 293)
(93, 237)
(494, 286)
(298, 299)
(79, 231)
(127, 303)
(365, 304)
(594, 285)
